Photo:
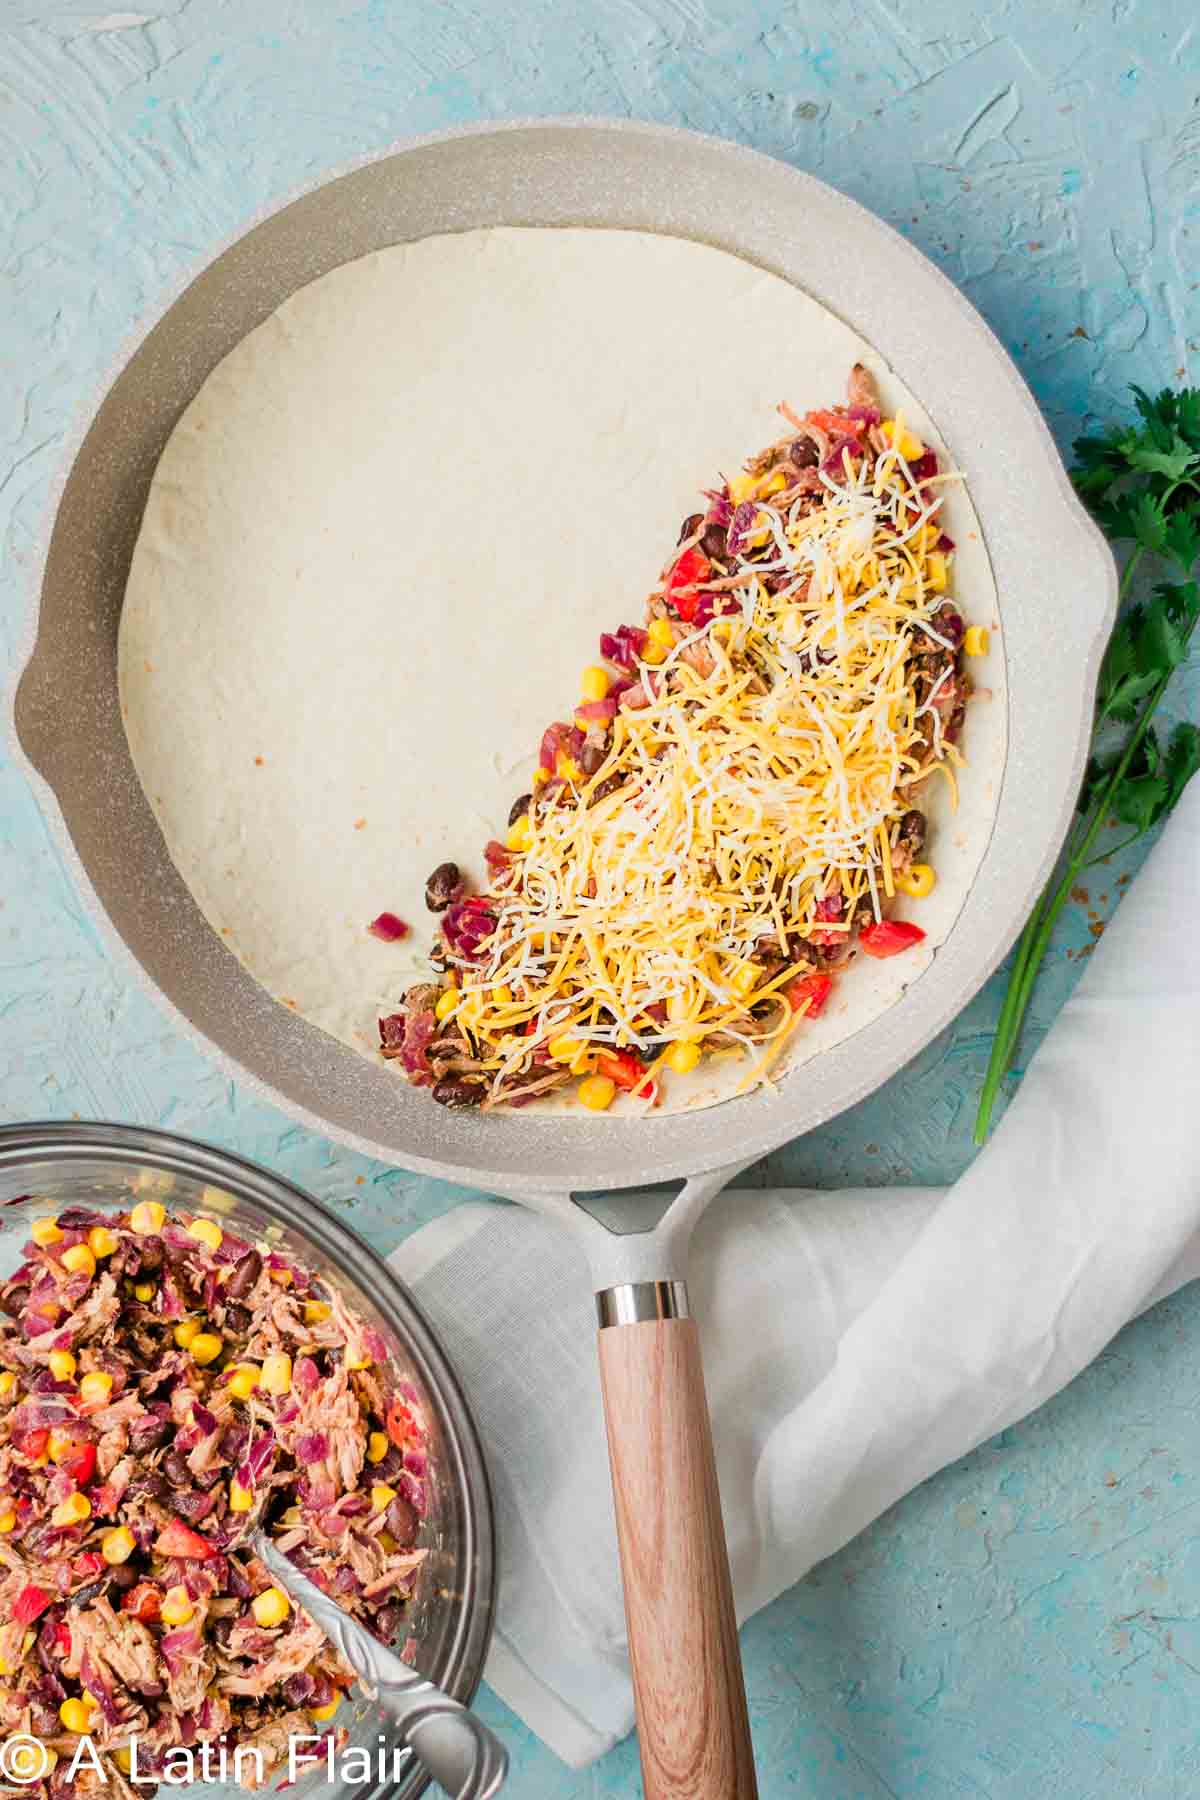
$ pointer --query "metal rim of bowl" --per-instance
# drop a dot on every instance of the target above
(30, 1145)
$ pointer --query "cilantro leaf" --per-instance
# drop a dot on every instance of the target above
(1182, 760)
(1183, 536)
(1143, 488)
(1174, 462)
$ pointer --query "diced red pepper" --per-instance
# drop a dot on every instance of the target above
(84, 1568)
(400, 1423)
(143, 1601)
(834, 424)
(627, 1071)
(62, 1631)
(80, 1464)
(809, 992)
(692, 568)
(31, 1443)
(178, 1539)
(30, 1604)
(889, 937)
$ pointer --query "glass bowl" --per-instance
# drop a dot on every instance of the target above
(46, 1167)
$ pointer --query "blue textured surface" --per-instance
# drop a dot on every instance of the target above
(1028, 1624)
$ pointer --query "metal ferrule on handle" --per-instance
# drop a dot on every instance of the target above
(635, 1302)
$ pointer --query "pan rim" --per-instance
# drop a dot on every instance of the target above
(632, 1153)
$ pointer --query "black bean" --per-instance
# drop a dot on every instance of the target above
(804, 453)
(591, 757)
(454, 1092)
(519, 808)
(690, 526)
(713, 543)
(244, 1276)
(604, 788)
(176, 1470)
(912, 831)
(388, 1622)
(222, 1631)
(149, 1431)
(402, 1521)
(444, 887)
(237, 1320)
(123, 1576)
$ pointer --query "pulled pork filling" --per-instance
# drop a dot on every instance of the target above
(733, 810)
(165, 1386)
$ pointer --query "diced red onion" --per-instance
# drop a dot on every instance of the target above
(388, 928)
(598, 712)
(313, 1447)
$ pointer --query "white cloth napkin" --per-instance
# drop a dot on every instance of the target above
(854, 1343)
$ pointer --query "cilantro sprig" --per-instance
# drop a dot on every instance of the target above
(1142, 485)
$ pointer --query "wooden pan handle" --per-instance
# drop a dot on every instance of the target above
(693, 1731)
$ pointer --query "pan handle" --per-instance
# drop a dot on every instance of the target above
(693, 1729)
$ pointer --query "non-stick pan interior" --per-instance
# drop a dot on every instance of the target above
(1054, 577)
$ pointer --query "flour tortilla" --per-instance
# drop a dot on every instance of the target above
(379, 548)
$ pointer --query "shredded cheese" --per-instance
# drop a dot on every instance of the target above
(776, 753)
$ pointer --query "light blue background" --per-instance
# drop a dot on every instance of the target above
(1028, 1624)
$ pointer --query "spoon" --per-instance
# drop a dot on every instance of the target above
(456, 1748)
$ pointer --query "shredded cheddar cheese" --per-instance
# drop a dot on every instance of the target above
(769, 768)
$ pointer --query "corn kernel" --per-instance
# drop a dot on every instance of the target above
(918, 880)
(79, 1260)
(46, 1232)
(96, 1387)
(683, 1057)
(281, 1277)
(271, 1607)
(447, 1004)
(566, 767)
(321, 1713)
(205, 1347)
(744, 980)
(741, 488)
(71, 1511)
(358, 1362)
(244, 1380)
(277, 1373)
(775, 484)
(177, 1607)
(186, 1332)
(143, 1291)
(935, 571)
(117, 1546)
(147, 1217)
(8, 1521)
(75, 1716)
(240, 1498)
(382, 1496)
(661, 631)
(102, 1241)
(62, 1365)
(976, 641)
(652, 654)
(123, 1758)
(8, 1383)
(597, 1092)
(564, 1049)
(316, 1311)
(502, 995)
(377, 1446)
(207, 1232)
(520, 834)
(909, 447)
(595, 683)
(59, 1444)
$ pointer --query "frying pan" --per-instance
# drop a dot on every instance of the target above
(1057, 592)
